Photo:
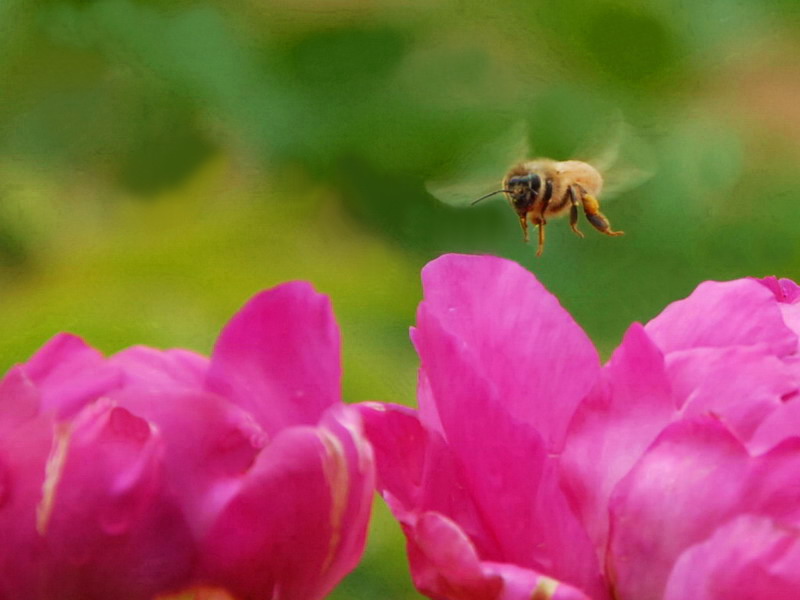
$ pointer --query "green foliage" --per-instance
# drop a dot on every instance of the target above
(162, 160)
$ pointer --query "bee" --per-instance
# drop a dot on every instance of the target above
(541, 189)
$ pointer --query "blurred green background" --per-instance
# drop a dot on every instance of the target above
(162, 160)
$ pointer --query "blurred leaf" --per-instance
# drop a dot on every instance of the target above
(628, 43)
(14, 251)
(568, 119)
(195, 52)
(166, 149)
(347, 59)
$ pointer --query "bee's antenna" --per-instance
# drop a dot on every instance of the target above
(488, 196)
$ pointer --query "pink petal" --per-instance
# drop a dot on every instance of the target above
(351, 475)
(791, 316)
(694, 478)
(613, 426)
(428, 413)
(154, 369)
(103, 511)
(19, 400)
(666, 503)
(197, 592)
(417, 472)
(741, 312)
(511, 333)
(443, 562)
(741, 385)
(771, 485)
(446, 490)
(297, 523)
(787, 293)
(518, 583)
(278, 357)
(782, 423)
(750, 557)
(55, 556)
(400, 444)
(209, 444)
(23, 456)
(445, 566)
(785, 290)
(506, 467)
(69, 374)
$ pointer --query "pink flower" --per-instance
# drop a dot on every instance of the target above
(531, 471)
(151, 472)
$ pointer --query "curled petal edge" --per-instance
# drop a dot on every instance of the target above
(445, 564)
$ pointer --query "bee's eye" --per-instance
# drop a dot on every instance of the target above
(531, 181)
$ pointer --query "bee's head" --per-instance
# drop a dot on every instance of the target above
(522, 190)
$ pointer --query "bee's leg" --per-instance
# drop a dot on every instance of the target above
(591, 207)
(541, 220)
(523, 221)
(540, 223)
(573, 211)
(540, 247)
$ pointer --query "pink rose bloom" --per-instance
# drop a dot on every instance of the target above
(530, 471)
(151, 472)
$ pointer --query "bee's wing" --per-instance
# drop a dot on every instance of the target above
(481, 171)
(619, 180)
(624, 159)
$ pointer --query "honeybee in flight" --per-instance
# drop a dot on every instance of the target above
(541, 189)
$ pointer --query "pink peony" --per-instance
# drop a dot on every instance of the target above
(152, 472)
(530, 471)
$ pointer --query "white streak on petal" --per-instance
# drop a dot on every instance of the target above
(52, 476)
